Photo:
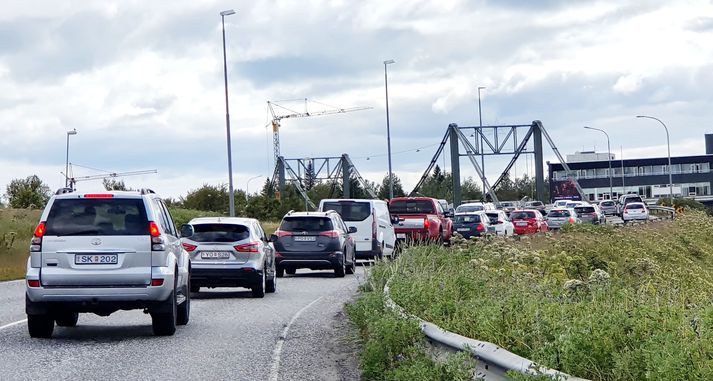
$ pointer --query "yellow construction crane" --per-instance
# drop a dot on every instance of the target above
(296, 114)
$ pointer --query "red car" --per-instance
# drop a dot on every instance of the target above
(528, 221)
(420, 219)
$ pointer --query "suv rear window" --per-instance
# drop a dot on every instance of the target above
(558, 213)
(220, 233)
(493, 217)
(469, 208)
(521, 215)
(584, 209)
(306, 224)
(634, 206)
(411, 206)
(110, 216)
(469, 219)
(632, 199)
(607, 203)
(349, 210)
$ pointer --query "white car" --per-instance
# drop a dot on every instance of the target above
(375, 237)
(635, 211)
(500, 224)
(560, 204)
(475, 207)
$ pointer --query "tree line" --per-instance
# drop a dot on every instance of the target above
(267, 204)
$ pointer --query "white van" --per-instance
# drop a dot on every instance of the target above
(375, 234)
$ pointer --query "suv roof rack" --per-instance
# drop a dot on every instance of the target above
(64, 190)
(290, 212)
(147, 191)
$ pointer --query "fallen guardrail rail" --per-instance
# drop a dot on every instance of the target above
(493, 361)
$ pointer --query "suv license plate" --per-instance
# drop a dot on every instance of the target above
(305, 238)
(96, 259)
(215, 255)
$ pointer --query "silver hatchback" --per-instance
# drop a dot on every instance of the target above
(229, 252)
(556, 218)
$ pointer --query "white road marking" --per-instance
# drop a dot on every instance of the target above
(12, 324)
(277, 353)
(11, 281)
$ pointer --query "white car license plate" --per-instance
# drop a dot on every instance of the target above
(305, 238)
(215, 254)
(521, 223)
(401, 235)
(463, 229)
(96, 259)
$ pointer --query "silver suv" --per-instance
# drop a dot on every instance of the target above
(229, 252)
(104, 252)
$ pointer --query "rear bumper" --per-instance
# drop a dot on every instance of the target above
(310, 260)
(415, 235)
(230, 277)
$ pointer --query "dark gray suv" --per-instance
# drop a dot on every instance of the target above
(314, 240)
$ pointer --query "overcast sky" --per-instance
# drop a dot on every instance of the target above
(142, 82)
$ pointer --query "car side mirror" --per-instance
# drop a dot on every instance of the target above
(448, 214)
(395, 220)
(352, 229)
(187, 231)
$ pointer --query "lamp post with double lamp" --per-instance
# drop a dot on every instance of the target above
(668, 143)
(66, 161)
(611, 191)
(231, 196)
(247, 186)
(388, 128)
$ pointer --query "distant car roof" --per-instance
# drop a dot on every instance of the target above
(222, 220)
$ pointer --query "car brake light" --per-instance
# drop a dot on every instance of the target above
(189, 247)
(330, 234)
(247, 247)
(480, 227)
(426, 223)
(373, 225)
(40, 230)
(156, 282)
(33, 283)
(571, 220)
(153, 229)
(278, 254)
(99, 195)
(282, 233)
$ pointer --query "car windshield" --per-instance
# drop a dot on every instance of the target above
(306, 224)
(97, 216)
(635, 206)
(411, 206)
(607, 203)
(632, 199)
(522, 215)
(349, 210)
(571, 205)
(584, 209)
(469, 208)
(467, 219)
(558, 213)
(219, 232)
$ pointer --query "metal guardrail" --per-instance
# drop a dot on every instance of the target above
(493, 361)
(667, 210)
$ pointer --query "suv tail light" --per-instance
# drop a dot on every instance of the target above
(247, 247)
(481, 227)
(189, 247)
(426, 223)
(282, 233)
(330, 234)
(33, 283)
(571, 220)
(36, 242)
(153, 229)
(157, 242)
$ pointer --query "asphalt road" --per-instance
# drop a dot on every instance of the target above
(298, 333)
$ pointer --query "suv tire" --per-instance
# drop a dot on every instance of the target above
(280, 272)
(184, 309)
(271, 284)
(259, 290)
(164, 323)
(40, 326)
(352, 266)
(67, 319)
(195, 289)
(339, 270)
(291, 271)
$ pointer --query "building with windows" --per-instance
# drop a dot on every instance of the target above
(649, 177)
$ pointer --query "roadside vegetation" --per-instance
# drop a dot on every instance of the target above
(16, 228)
(597, 302)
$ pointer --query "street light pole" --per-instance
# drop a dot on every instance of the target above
(668, 143)
(611, 188)
(388, 128)
(227, 116)
(66, 161)
(482, 154)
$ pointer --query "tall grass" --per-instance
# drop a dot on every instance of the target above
(602, 303)
(16, 228)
